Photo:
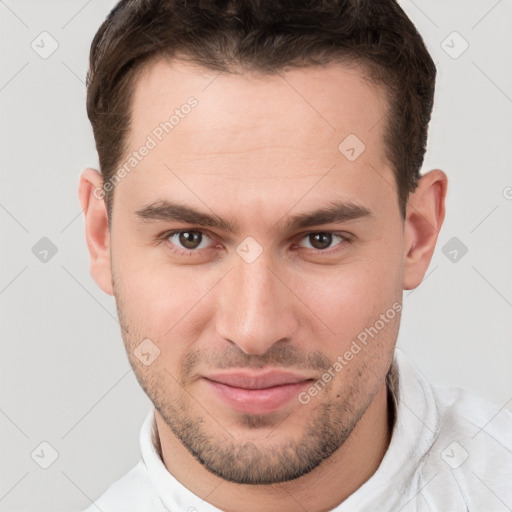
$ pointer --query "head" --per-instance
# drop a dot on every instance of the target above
(260, 207)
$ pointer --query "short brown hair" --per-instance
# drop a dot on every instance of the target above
(266, 36)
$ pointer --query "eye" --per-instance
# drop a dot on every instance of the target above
(188, 241)
(322, 240)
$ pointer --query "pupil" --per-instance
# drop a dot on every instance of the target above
(190, 239)
(321, 240)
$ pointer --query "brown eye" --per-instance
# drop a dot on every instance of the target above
(192, 240)
(320, 240)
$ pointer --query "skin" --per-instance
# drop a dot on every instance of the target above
(258, 150)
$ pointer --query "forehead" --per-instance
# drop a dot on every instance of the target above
(252, 132)
(335, 99)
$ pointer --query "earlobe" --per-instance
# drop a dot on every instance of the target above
(424, 218)
(97, 233)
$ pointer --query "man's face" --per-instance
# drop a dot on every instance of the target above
(262, 153)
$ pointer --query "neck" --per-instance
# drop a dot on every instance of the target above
(322, 489)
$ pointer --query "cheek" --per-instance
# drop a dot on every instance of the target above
(159, 298)
(351, 297)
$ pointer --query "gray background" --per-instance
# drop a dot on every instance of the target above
(65, 378)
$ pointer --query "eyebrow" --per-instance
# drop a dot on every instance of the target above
(335, 212)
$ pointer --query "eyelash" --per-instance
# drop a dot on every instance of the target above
(192, 252)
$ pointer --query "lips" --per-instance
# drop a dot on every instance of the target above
(253, 380)
(256, 393)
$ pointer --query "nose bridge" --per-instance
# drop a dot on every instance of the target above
(256, 308)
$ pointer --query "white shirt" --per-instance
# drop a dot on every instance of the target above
(450, 450)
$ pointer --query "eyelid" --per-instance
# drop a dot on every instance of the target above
(342, 234)
(167, 234)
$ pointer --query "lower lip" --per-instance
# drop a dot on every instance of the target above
(257, 401)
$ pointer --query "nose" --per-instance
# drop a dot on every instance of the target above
(256, 309)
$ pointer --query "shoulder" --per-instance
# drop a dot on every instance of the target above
(472, 453)
(465, 415)
(131, 492)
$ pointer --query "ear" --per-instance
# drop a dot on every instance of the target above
(91, 194)
(423, 220)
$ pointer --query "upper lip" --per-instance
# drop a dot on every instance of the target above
(254, 380)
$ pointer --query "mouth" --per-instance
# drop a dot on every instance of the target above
(256, 393)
